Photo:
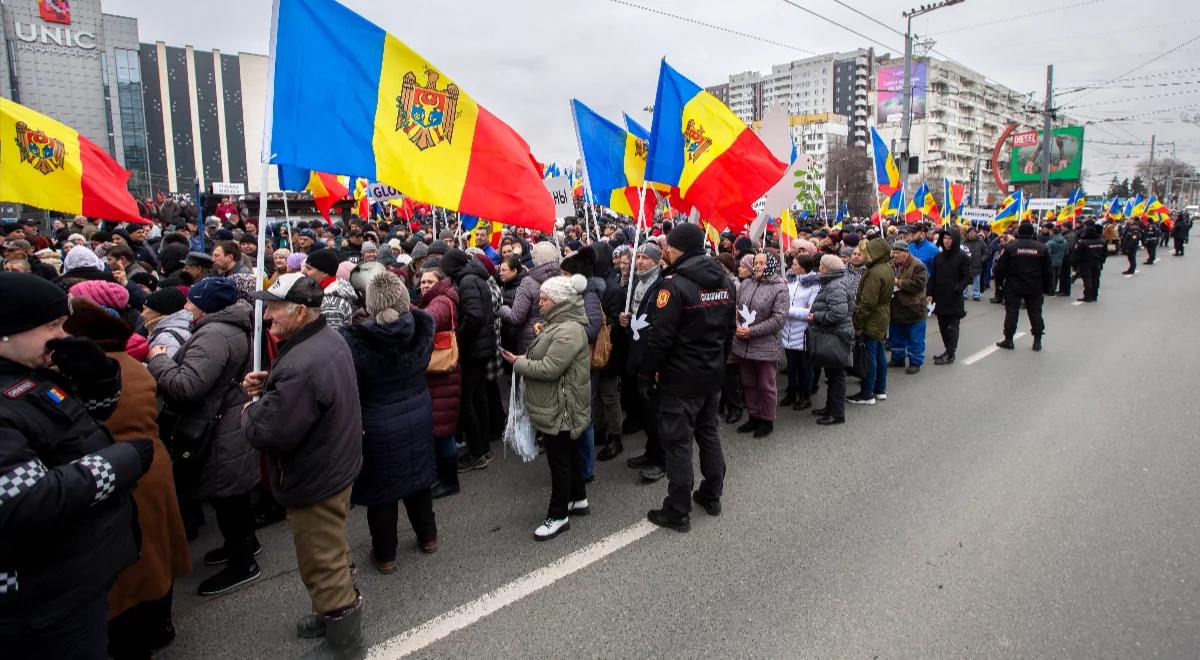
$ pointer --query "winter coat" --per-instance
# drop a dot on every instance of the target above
(508, 290)
(951, 274)
(873, 304)
(593, 307)
(768, 300)
(558, 386)
(926, 252)
(204, 381)
(164, 554)
(338, 305)
(397, 411)
(1023, 267)
(908, 301)
(171, 331)
(1057, 246)
(441, 304)
(308, 420)
(833, 308)
(523, 314)
(978, 250)
(67, 523)
(613, 303)
(476, 329)
(802, 291)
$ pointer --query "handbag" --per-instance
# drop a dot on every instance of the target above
(445, 350)
(602, 349)
(859, 359)
(188, 439)
(828, 349)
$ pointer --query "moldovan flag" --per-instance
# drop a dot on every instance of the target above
(394, 118)
(698, 144)
(615, 162)
(46, 164)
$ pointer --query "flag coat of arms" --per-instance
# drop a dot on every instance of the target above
(394, 118)
(699, 146)
(47, 164)
(887, 175)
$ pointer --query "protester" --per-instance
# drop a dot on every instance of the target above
(308, 421)
(762, 302)
(906, 330)
(391, 351)
(166, 321)
(439, 300)
(951, 274)
(201, 403)
(642, 402)
(337, 306)
(872, 312)
(476, 348)
(832, 317)
(67, 521)
(803, 285)
(557, 396)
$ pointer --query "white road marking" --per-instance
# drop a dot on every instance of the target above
(1077, 303)
(460, 617)
(1129, 276)
(979, 355)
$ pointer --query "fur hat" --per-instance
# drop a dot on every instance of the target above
(387, 298)
(561, 287)
(546, 253)
(582, 262)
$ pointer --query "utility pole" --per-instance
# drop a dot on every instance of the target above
(906, 111)
(1047, 130)
(1150, 175)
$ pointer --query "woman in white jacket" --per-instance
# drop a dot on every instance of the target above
(803, 285)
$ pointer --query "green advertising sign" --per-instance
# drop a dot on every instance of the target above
(1066, 155)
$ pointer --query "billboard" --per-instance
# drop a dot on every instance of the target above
(889, 93)
(1066, 155)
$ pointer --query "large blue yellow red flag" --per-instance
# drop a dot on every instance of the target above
(893, 204)
(612, 163)
(1010, 212)
(1139, 207)
(639, 132)
(395, 118)
(922, 205)
(887, 175)
(698, 145)
(952, 199)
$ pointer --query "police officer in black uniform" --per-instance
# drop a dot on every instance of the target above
(1089, 256)
(67, 522)
(692, 327)
(1151, 235)
(1131, 238)
(1023, 271)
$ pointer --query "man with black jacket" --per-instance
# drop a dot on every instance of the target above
(1131, 237)
(1180, 232)
(67, 520)
(1023, 272)
(693, 324)
(1065, 278)
(1151, 235)
(476, 347)
(1089, 256)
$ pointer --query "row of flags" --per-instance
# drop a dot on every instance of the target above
(923, 204)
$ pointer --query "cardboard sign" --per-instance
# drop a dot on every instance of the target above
(1046, 203)
(382, 192)
(973, 214)
(560, 190)
(226, 188)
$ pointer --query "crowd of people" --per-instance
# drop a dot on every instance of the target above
(391, 360)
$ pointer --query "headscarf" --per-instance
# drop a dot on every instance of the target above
(82, 257)
(772, 268)
(747, 261)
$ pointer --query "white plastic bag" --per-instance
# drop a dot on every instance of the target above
(518, 432)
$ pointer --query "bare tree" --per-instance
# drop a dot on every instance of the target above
(1164, 168)
(848, 169)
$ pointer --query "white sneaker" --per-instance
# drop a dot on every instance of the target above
(578, 508)
(881, 397)
(551, 528)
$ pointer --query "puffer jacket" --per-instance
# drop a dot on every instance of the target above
(768, 300)
(802, 291)
(171, 331)
(833, 308)
(441, 303)
(476, 318)
(558, 391)
(204, 381)
(978, 250)
(593, 307)
(523, 314)
(397, 412)
(308, 420)
(338, 306)
(873, 304)
(908, 301)
(951, 274)
(508, 333)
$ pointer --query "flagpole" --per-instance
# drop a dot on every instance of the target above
(637, 232)
(587, 184)
(287, 223)
(265, 157)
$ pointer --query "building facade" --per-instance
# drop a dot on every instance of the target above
(174, 117)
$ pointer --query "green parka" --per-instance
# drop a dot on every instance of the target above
(558, 391)
(873, 308)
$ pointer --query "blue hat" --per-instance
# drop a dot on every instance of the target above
(223, 235)
(213, 294)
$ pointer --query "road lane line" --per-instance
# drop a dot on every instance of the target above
(462, 616)
(979, 355)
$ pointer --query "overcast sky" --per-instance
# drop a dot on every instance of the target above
(524, 59)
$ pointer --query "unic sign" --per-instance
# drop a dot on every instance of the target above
(55, 39)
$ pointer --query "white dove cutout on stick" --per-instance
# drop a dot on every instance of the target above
(748, 315)
(638, 323)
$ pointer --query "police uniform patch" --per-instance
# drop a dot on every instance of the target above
(664, 297)
(56, 395)
(20, 388)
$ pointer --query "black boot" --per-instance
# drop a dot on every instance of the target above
(802, 404)
(788, 400)
(447, 471)
(1006, 343)
(1037, 342)
(750, 425)
(612, 449)
(765, 427)
(240, 568)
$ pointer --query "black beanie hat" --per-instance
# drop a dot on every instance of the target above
(1026, 230)
(324, 260)
(27, 301)
(686, 238)
(213, 294)
(166, 301)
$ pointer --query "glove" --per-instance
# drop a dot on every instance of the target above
(80, 359)
(646, 387)
(145, 450)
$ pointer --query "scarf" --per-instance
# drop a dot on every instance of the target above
(772, 268)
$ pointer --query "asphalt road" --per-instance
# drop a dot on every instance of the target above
(1026, 505)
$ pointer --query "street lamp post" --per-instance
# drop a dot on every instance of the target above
(906, 111)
